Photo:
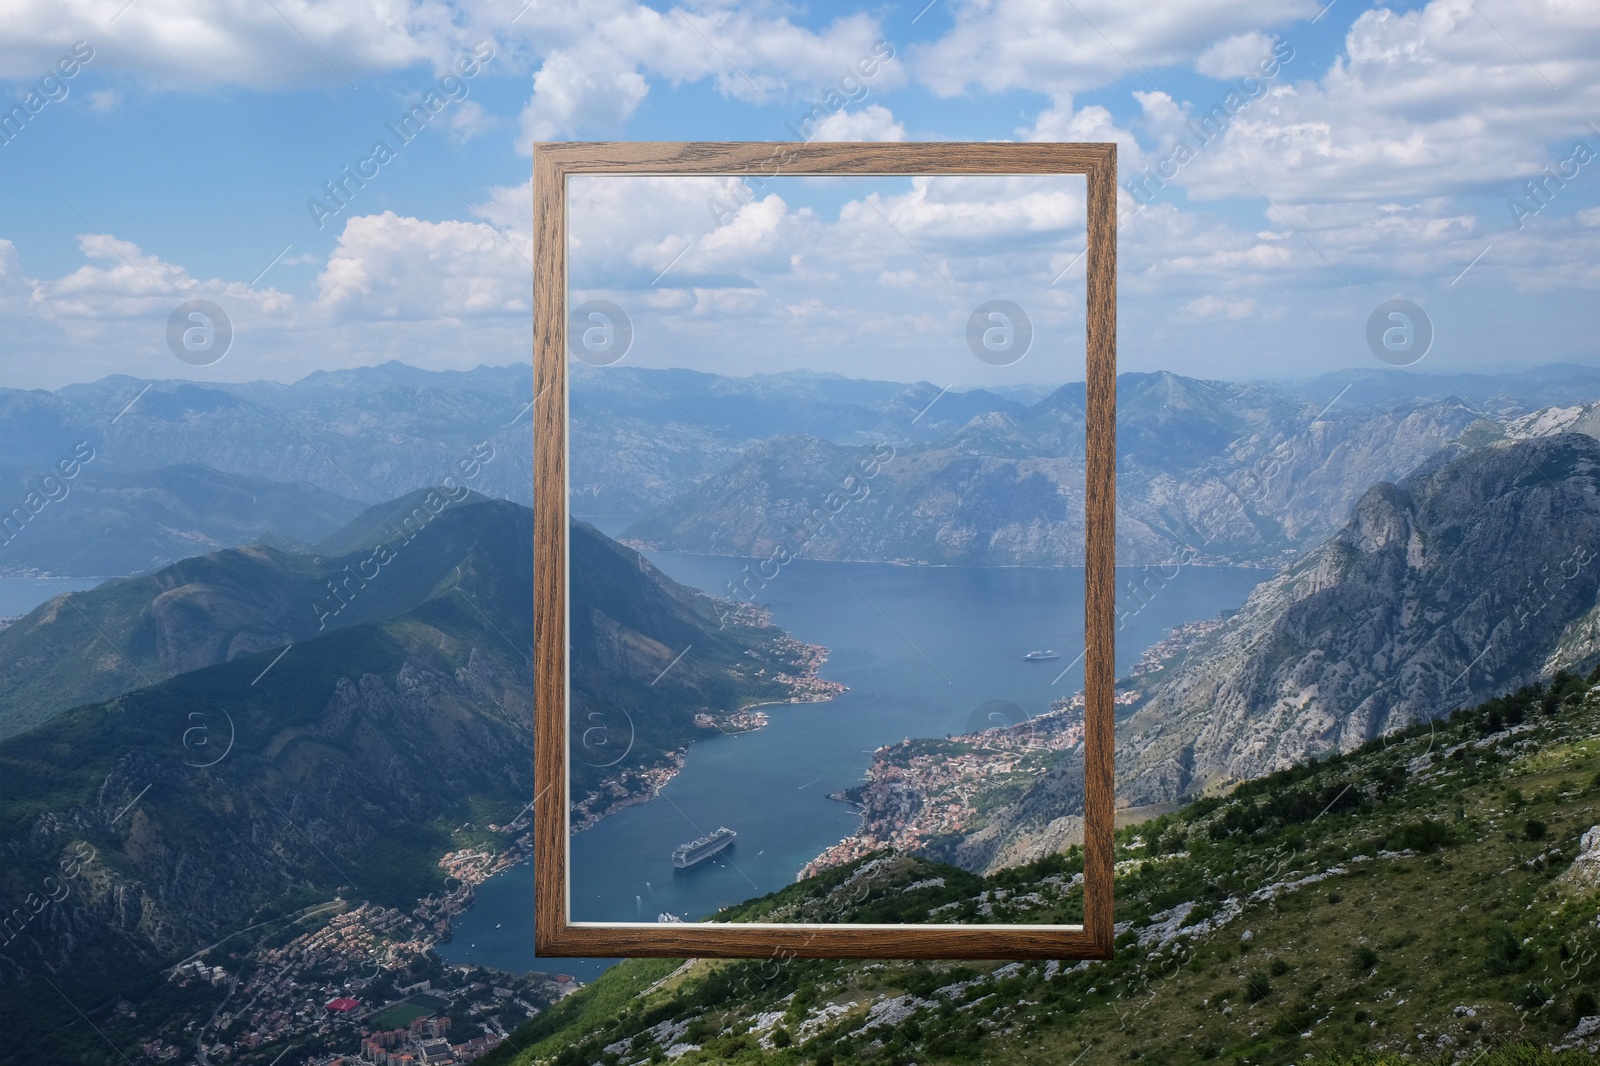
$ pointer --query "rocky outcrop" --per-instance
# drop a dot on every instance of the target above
(1468, 579)
(1447, 589)
(1584, 873)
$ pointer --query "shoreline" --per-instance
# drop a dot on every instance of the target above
(1211, 565)
(746, 718)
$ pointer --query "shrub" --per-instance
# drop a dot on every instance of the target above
(1582, 1006)
(1531, 996)
(1533, 829)
(1424, 835)
(1503, 953)
(1363, 960)
(1257, 987)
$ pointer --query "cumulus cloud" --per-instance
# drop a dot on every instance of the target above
(1423, 103)
(1236, 56)
(1216, 307)
(597, 69)
(229, 42)
(871, 123)
(575, 91)
(1042, 45)
(391, 268)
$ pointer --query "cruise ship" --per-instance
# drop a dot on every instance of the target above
(1038, 656)
(688, 854)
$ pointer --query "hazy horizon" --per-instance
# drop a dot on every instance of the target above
(1020, 384)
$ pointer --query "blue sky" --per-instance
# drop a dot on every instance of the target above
(1379, 161)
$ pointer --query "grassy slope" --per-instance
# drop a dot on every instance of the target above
(1451, 936)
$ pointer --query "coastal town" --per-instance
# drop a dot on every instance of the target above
(348, 982)
(922, 789)
(919, 790)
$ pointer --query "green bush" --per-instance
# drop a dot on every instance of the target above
(1504, 954)
(1423, 836)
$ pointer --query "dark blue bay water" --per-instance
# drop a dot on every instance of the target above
(921, 648)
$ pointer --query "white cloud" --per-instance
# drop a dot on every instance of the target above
(467, 120)
(871, 123)
(1060, 122)
(1236, 56)
(1422, 104)
(238, 42)
(1047, 46)
(387, 267)
(1215, 307)
(573, 91)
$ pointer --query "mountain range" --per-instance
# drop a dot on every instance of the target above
(326, 699)
(1246, 472)
(117, 521)
(1235, 472)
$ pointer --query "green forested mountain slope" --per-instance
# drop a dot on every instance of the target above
(133, 632)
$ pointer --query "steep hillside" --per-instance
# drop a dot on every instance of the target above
(1450, 587)
(234, 795)
(1429, 894)
(1471, 577)
(133, 632)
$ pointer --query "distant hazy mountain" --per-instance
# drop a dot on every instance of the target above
(642, 437)
(1209, 470)
(1497, 396)
(1243, 471)
(1475, 575)
(111, 521)
(369, 434)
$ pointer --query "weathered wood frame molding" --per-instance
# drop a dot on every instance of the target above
(554, 933)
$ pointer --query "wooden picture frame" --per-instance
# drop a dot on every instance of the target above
(555, 933)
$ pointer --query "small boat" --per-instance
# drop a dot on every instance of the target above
(497, 925)
(1041, 656)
